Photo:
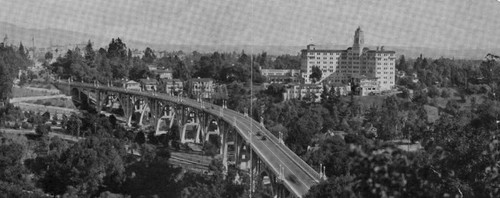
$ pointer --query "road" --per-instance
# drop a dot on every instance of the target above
(298, 177)
(32, 131)
(42, 108)
(31, 98)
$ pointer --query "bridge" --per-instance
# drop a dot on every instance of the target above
(255, 148)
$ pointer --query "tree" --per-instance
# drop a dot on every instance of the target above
(49, 56)
(433, 91)
(140, 138)
(22, 51)
(42, 129)
(86, 166)
(402, 65)
(139, 71)
(23, 79)
(315, 74)
(244, 59)
(89, 53)
(117, 49)
(149, 56)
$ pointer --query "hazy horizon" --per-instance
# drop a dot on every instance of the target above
(447, 24)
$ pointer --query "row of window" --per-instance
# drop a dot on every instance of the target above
(324, 53)
(350, 54)
(385, 73)
(385, 68)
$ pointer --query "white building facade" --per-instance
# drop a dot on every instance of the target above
(352, 64)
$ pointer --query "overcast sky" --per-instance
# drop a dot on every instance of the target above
(434, 23)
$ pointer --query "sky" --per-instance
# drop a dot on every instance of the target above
(442, 24)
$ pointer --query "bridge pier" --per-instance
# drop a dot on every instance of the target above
(143, 111)
(194, 126)
(163, 116)
(223, 150)
(127, 107)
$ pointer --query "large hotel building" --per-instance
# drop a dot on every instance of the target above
(355, 64)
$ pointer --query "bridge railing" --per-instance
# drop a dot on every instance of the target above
(288, 152)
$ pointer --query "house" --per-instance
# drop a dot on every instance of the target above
(152, 68)
(163, 73)
(171, 87)
(340, 88)
(368, 86)
(281, 75)
(131, 85)
(303, 91)
(148, 84)
(202, 87)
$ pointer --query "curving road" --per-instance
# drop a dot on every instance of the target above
(298, 176)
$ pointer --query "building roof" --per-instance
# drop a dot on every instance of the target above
(202, 79)
(381, 51)
(130, 82)
(148, 81)
(171, 80)
(324, 50)
(337, 84)
(162, 71)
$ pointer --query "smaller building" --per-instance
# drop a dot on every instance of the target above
(152, 68)
(131, 85)
(202, 87)
(303, 91)
(281, 75)
(148, 84)
(173, 87)
(340, 88)
(368, 86)
(163, 73)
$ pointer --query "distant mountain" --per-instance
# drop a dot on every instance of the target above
(48, 36)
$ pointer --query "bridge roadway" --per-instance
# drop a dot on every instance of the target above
(298, 176)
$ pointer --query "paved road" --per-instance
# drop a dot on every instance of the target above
(31, 98)
(298, 175)
(43, 108)
(32, 131)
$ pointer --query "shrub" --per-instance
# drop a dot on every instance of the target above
(16, 126)
(47, 103)
(25, 125)
(445, 94)
(42, 129)
(433, 91)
